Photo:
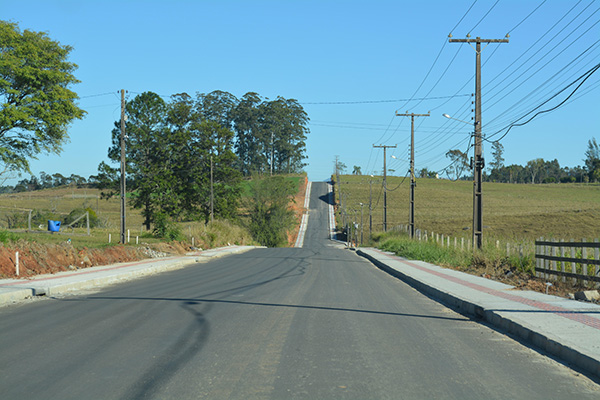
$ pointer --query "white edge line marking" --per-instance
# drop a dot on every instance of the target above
(304, 223)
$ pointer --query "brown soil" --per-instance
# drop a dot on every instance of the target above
(36, 258)
(298, 207)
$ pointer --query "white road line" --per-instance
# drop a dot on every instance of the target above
(304, 223)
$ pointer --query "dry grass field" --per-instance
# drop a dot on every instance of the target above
(511, 212)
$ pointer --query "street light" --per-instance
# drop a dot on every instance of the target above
(456, 119)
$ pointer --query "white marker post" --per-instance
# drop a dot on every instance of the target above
(17, 262)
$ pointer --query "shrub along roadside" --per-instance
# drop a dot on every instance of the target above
(488, 261)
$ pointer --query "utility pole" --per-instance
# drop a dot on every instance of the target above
(478, 161)
(413, 181)
(370, 207)
(384, 147)
(123, 166)
(212, 193)
(361, 223)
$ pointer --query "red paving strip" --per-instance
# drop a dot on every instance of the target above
(577, 316)
(91, 271)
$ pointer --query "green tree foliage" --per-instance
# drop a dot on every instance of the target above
(592, 160)
(171, 146)
(356, 170)
(37, 104)
(497, 153)
(269, 135)
(459, 162)
(270, 214)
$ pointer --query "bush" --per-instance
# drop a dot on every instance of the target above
(78, 212)
(271, 217)
(165, 228)
(6, 236)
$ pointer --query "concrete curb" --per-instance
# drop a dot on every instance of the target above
(542, 341)
(100, 278)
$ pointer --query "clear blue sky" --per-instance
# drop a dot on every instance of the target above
(338, 51)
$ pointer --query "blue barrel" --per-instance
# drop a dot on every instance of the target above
(53, 226)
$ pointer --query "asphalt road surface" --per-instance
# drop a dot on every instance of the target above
(317, 322)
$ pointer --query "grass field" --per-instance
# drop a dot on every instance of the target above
(59, 202)
(511, 212)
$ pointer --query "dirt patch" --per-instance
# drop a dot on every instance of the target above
(36, 258)
(524, 281)
(298, 208)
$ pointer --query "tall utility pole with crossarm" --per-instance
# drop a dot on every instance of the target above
(384, 147)
(413, 182)
(478, 152)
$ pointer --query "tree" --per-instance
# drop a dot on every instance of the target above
(534, 167)
(37, 104)
(425, 173)
(270, 216)
(148, 177)
(592, 160)
(247, 119)
(356, 170)
(340, 167)
(459, 161)
(497, 159)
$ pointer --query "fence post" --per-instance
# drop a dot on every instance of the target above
(562, 255)
(538, 261)
(597, 258)
(554, 266)
(507, 249)
(462, 244)
(584, 264)
(17, 262)
(573, 264)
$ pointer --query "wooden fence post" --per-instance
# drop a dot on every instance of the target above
(554, 266)
(584, 265)
(573, 264)
(597, 258)
(562, 255)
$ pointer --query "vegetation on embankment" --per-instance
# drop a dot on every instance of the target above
(42, 252)
(516, 270)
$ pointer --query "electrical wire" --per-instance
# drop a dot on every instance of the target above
(482, 18)
(584, 77)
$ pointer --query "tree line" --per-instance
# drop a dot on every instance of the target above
(174, 147)
(534, 171)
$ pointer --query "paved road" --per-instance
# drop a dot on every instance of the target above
(311, 322)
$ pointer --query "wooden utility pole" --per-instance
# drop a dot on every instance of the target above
(370, 207)
(384, 147)
(478, 161)
(413, 181)
(123, 188)
(212, 193)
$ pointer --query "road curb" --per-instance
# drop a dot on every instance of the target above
(41, 288)
(544, 342)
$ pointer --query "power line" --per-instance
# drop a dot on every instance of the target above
(584, 76)
(379, 101)
(482, 18)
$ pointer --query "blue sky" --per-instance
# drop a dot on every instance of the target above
(375, 55)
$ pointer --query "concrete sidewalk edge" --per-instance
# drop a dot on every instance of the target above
(38, 288)
(527, 335)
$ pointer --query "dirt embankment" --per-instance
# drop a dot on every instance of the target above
(37, 258)
(298, 208)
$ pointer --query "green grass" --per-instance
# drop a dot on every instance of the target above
(488, 261)
(511, 212)
(56, 203)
